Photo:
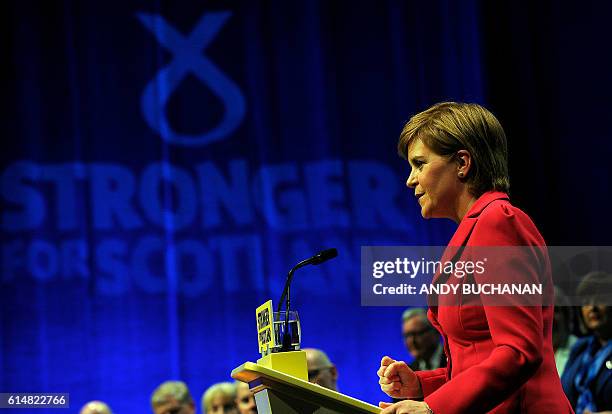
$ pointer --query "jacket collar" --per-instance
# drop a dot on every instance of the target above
(483, 201)
(469, 221)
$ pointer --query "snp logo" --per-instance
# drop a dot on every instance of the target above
(188, 57)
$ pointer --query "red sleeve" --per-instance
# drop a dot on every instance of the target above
(431, 380)
(516, 331)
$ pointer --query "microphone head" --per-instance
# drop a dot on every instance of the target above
(324, 256)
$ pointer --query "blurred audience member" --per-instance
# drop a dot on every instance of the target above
(96, 407)
(587, 379)
(245, 400)
(320, 369)
(562, 337)
(172, 397)
(220, 398)
(422, 340)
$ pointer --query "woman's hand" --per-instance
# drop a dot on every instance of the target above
(405, 407)
(397, 380)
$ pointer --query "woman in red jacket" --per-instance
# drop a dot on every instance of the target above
(500, 358)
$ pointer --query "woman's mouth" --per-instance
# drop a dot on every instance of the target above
(593, 317)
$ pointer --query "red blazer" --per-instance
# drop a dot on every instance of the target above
(500, 358)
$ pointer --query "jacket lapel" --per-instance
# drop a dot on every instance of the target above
(469, 221)
(462, 234)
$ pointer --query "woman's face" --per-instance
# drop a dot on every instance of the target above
(597, 318)
(435, 182)
(245, 400)
(222, 404)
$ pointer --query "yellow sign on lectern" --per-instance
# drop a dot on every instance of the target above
(265, 328)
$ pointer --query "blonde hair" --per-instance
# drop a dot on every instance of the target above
(96, 407)
(449, 127)
(224, 388)
(175, 389)
(240, 384)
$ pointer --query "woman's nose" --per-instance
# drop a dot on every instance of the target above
(411, 182)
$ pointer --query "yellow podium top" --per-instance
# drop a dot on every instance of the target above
(250, 371)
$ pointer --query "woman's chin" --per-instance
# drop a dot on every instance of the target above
(425, 213)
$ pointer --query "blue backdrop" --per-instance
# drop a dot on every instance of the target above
(165, 163)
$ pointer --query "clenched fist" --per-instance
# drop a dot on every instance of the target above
(397, 380)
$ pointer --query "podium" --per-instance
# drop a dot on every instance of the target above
(279, 393)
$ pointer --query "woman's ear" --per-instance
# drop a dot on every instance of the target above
(464, 163)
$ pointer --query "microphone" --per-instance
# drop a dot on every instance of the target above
(316, 260)
(323, 256)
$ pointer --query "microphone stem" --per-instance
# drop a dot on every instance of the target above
(288, 282)
(287, 339)
(286, 295)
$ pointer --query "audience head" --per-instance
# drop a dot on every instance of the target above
(420, 338)
(220, 398)
(172, 397)
(320, 369)
(245, 400)
(95, 407)
(595, 289)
